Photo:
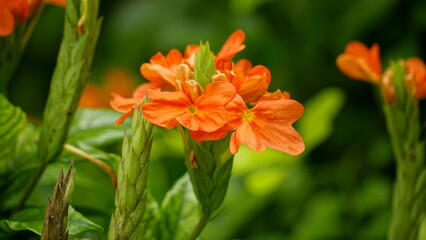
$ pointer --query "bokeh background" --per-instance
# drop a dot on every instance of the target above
(340, 188)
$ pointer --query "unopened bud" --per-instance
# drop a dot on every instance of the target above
(183, 73)
(388, 87)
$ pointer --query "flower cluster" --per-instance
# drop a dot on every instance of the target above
(361, 63)
(213, 97)
(13, 12)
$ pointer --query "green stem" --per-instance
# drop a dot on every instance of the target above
(198, 228)
(28, 32)
(184, 138)
(407, 202)
(30, 187)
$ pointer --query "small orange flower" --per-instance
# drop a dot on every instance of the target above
(269, 123)
(417, 68)
(127, 105)
(12, 12)
(206, 113)
(359, 62)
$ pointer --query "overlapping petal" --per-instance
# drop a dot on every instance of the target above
(126, 105)
(361, 63)
(252, 85)
(162, 69)
(207, 113)
(417, 68)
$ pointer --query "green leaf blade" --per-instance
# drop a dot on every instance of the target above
(179, 212)
(12, 121)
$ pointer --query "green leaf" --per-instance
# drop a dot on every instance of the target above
(179, 212)
(95, 127)
(12, 121)
(204, 67)
(320, 110)
(78, 224)
(151, 218)
(32, 219)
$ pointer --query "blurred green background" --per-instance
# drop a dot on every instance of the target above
(340, 188)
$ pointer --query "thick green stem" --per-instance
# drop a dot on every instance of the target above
(198, 228)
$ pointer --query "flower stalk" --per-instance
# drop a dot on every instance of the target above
(131, 195)
(69, 78)
(404, 128)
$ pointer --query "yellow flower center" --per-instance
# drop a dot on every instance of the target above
(247, 115)
(192, 109)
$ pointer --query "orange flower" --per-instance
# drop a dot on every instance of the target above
(12, 12)
(417, 68)
(205, 113)
(359, 62)
(269, 123)
(127, 105)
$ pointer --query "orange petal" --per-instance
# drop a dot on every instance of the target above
(234, 109)
(356, 68)
(60, 3)
(417, 68)
(189, 54)
(165, 107)
(159, 59)
(19, 8)
(209, 136)
(159, 75)
(273, 124)
(217, 93)
(245, 65)
(273, 96)
(174, 58)
(361, 63)
(124, 117)
(232, 46)
(122, 104)
(256, 84)
(245, 134)
(7, 22)
(211, 112)
(141, 91)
